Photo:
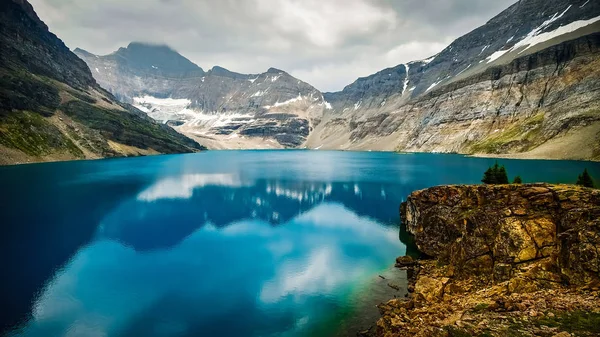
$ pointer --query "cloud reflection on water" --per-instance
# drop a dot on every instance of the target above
(183, 187)
(317, 256)
(174, 207)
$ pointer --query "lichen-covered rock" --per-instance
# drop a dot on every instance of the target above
(545, 233)
(516, 260)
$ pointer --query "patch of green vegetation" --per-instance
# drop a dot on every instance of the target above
(129, 128)
(456, 332)
(581, 323)
(82, 97)
(526, 133)
(480, 307)
(19, 90)
(30, 133)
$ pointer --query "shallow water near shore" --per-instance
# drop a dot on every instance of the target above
(222, 243)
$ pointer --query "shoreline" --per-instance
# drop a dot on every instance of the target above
(509, 156)
(518, 156)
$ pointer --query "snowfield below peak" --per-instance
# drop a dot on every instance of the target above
(164, 109)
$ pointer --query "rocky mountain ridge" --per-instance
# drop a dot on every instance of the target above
(525, 84)
(485, 93)
(51, 108)
(219, 107)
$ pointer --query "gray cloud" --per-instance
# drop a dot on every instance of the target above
(327, 43)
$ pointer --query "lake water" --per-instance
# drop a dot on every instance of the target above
(223, 243)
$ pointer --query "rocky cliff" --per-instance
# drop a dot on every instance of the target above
(519, 259)
(51, 108)
(498, 230)
(220, 108)
(524, 84)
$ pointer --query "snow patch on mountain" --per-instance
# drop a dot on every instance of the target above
(164, 109)
(533, 40)
(435, 84)
(537, 35)
(205, 121)
(427, 61)
(290, 101)
(462, 71)
(484, 48)
(406, 79)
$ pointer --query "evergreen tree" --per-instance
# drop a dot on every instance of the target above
(488, 177)
(501, 176)
(495, 175)
(585, 179)
(517, 180)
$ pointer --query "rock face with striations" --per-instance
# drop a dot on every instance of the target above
(507, 260)
(525, 83)
(220, 108)
(498, 230)
(51, 108)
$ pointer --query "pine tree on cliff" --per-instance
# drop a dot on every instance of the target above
(495, 175)
(517, 180)
(488, 177)
(585, 179)
(501, 176)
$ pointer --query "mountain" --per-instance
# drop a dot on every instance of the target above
(51, 108)
(526, 84)
(219, 108)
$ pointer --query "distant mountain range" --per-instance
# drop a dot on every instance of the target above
(219, 108)
(51, 108)
(525, 84)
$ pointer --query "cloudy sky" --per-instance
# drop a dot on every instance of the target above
(327, 43)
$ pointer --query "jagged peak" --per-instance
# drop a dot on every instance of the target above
(222, 72)
(84, 52)
(275, 71)
(157, 57)
(148, 45)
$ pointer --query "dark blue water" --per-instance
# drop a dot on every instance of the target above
(232, 243)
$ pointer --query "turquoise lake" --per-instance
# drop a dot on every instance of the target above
(222, 243)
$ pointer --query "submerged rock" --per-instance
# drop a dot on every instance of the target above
(405, 261)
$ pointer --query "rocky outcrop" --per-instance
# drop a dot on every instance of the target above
(219, 108)
(51, 108)
(527, 234)
(519, 260)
